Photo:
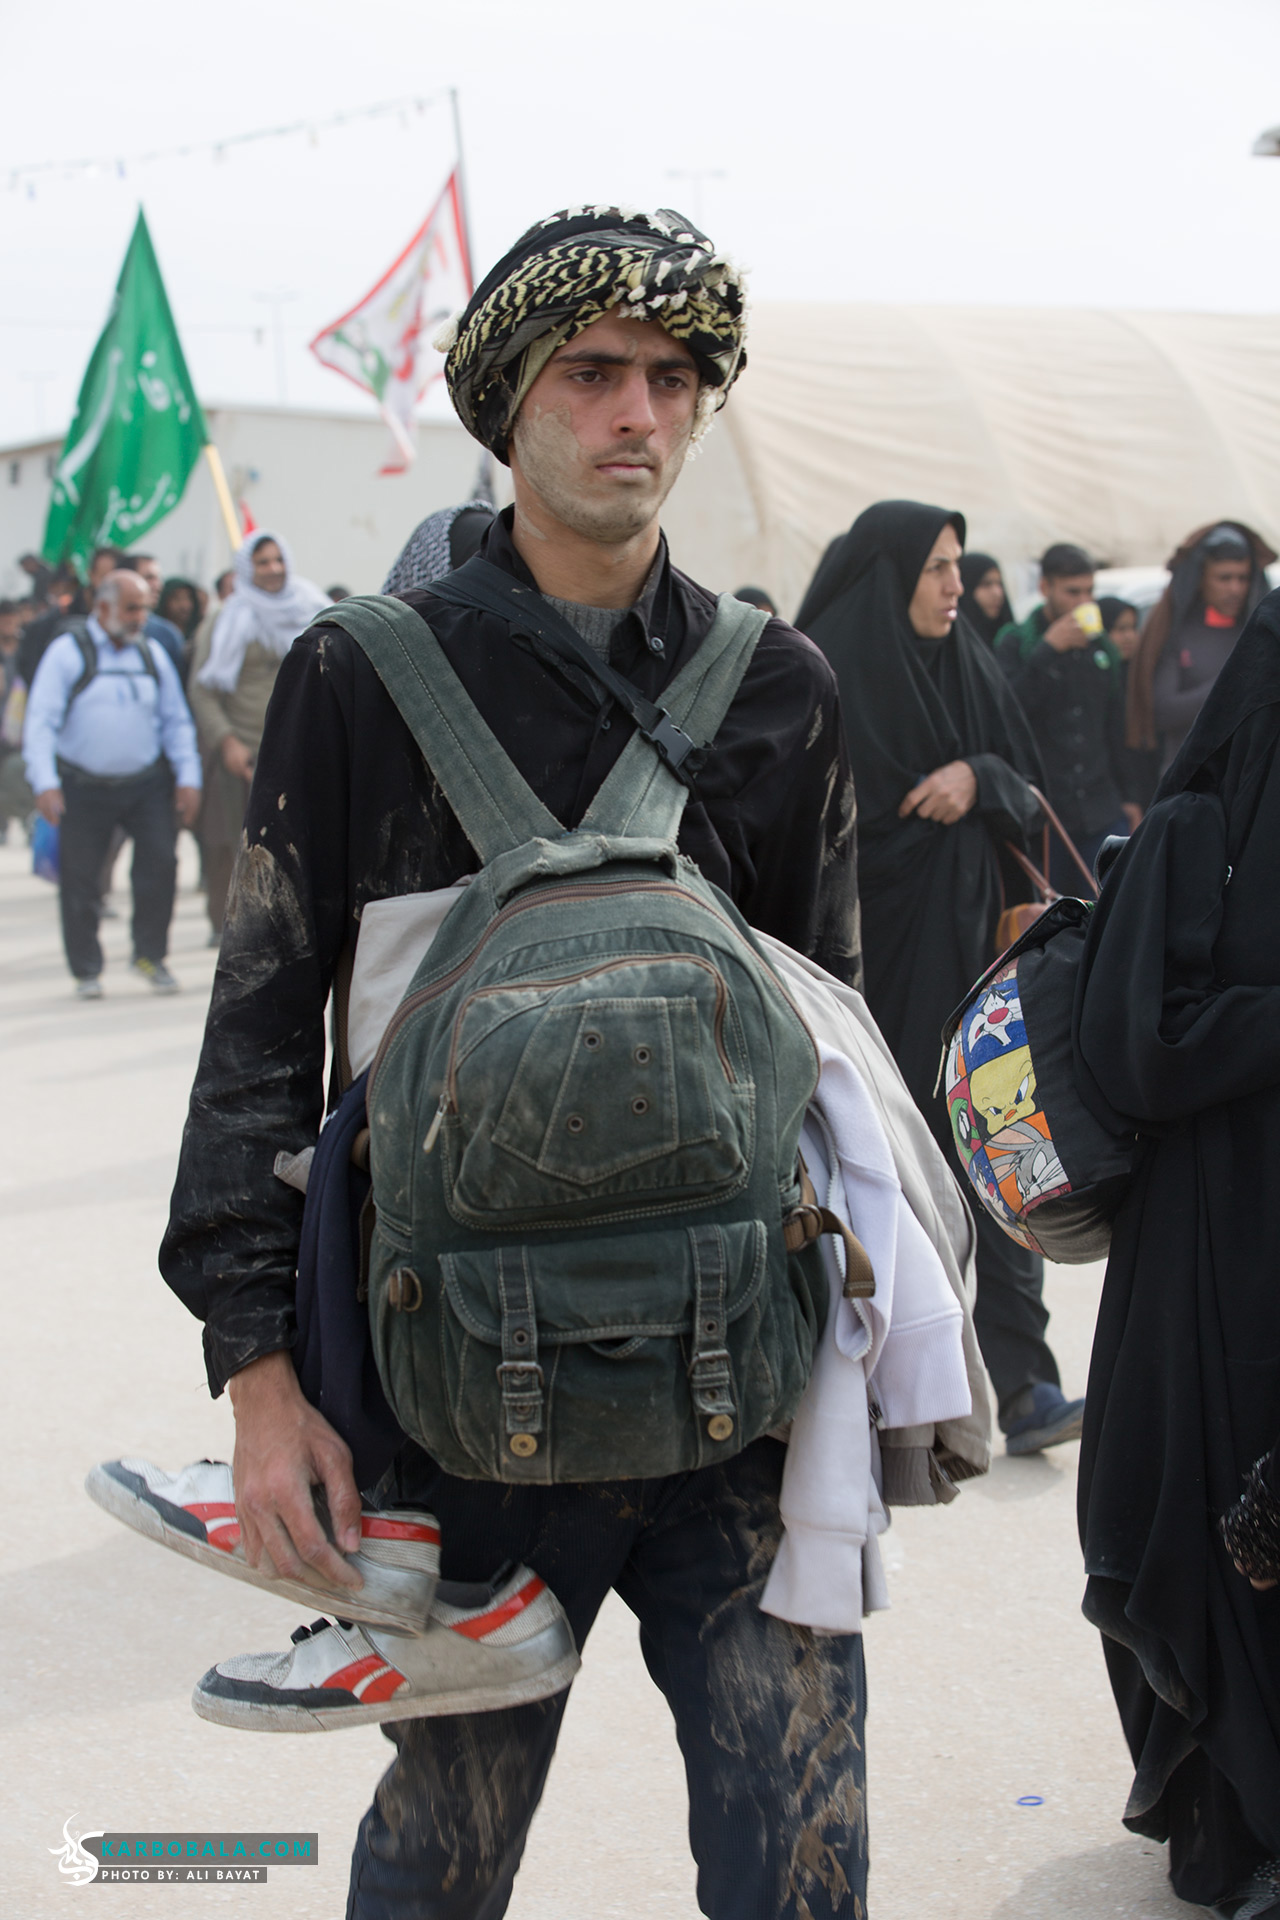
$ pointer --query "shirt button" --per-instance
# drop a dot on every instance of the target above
(657, 643)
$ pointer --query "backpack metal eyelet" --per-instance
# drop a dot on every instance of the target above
(575, 1123)
(639, 1105)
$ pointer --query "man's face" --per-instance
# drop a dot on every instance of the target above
(603, 432)
(932, 611)
(99, 568)
(125, 618)
(149, 572)
(10, 629)
(1225, 586)
(1063, 593)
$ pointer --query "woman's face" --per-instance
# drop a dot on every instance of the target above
(268, 566)
(1125, 634)
(989, 593)
(932, 611)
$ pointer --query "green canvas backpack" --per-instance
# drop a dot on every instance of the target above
(584, 1119)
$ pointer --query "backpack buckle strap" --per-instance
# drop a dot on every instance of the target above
(710, 1375)
(519, 1374)
(674, 744)
(808, 1222)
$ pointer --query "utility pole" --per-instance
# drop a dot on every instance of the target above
(276, 299)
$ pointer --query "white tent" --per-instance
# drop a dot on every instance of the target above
(1121, 431)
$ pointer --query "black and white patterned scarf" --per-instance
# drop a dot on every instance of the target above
(567, 272)
(427, 555)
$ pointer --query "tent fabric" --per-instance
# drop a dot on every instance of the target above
(1117, 430)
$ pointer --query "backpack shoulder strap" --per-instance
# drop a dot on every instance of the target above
(79, 631)
(143, 645)
(496, 807)
(481, 585)
(642, 797)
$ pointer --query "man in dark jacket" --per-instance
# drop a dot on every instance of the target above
(589, 360)
(1069, 680)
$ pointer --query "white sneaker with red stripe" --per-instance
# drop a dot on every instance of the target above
(485, 1647)
(194, 1512)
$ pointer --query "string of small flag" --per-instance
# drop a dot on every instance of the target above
(118, 166)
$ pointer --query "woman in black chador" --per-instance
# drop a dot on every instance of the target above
(942, 757)
(1179, 1031)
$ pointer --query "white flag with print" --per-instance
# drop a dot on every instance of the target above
(384, 343)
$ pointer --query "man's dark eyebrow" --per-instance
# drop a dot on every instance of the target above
(600, 357)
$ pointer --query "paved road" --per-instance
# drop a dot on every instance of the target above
(986, 1686)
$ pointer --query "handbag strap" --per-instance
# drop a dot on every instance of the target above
(1038, 879)
(1066, 840)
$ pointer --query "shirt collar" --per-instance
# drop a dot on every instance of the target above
(635, 624)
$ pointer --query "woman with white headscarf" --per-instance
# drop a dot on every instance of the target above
(230, 687)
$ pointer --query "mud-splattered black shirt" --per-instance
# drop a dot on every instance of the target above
(343, 811)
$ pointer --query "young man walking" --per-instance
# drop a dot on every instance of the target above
(590, 359)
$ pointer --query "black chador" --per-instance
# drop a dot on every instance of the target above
(931, 894)
(1179, 1031)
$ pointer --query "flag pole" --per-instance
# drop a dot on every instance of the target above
(223, 492)
(462, 184)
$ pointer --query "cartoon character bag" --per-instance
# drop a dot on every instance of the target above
(1039, 1161)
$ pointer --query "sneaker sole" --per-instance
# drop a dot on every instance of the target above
(1041, 1438)
(264, 1717)
(372, 1604)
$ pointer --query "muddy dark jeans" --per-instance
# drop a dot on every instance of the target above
(769, 1716)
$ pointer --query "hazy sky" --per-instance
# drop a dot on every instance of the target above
(1004, 151)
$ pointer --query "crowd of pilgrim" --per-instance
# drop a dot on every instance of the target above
(967, 730)
(224, 646)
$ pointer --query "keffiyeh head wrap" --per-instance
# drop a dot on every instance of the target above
(569, 271)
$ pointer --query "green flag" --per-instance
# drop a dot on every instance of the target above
(137, 430)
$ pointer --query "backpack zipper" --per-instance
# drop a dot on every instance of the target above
(426, 994)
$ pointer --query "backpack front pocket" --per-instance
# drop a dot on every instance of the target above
(609, 1359)
(615, 1090)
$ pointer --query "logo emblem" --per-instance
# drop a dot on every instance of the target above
(74, 1863)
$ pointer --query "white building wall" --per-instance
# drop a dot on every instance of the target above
(312, 477)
